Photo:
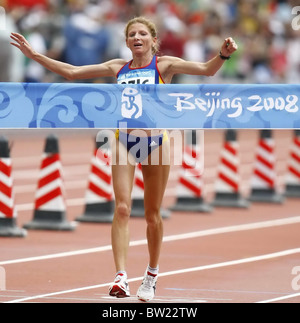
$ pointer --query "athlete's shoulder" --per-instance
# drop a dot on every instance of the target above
(117, 62)
(167, 59)
(165, 62)
(166, 65)
(115, 65)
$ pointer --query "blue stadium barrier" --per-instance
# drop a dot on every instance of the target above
(104, 106)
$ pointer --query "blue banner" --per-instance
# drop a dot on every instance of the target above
(111, 106)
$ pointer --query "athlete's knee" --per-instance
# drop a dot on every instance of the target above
(153, 216)
(122, 210)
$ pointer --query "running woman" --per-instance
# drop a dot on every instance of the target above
(144, 68)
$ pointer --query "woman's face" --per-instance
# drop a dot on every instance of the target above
(139, 39)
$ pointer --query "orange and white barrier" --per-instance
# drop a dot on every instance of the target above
(7, 208)
(264, 178)
(99, 204)
(228, 178)
(293, 173)
(8, 213)
(50, 206)
(190, 181)
(50, 191)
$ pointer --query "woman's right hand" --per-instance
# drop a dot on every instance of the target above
(22, 44)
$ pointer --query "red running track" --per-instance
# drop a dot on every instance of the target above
(227, 256)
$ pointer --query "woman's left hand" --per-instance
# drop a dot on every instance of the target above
(229, 47)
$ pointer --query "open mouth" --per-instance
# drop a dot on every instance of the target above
(138, 45)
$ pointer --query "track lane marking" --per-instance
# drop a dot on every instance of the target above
(183, 236)
(272, 300)
(172, 273)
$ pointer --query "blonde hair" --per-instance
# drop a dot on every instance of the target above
(151, 27)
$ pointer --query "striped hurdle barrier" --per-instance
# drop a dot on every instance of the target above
(264, 178)
(189, 195)
(228, 178)
(50, 207)
(293, 172)
(99, 204)
(8, 213)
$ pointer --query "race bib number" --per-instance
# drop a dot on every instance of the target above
(137, 77)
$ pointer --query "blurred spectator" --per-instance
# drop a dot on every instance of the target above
(86, 37)
(11, 62)
(26, 3)
(91, 31)
(171, 44)
(34, 72)
(5, 51)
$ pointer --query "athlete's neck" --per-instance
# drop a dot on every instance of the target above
(141, 61)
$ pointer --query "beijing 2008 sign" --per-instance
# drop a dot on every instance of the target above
(182, 106)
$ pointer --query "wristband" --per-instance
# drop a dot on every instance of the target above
(224, 57)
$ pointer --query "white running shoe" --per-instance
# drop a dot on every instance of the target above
(119, 288)
(147, 290)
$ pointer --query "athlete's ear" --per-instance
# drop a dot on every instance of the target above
(154, 46)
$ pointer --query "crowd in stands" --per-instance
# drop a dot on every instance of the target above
(83, 32)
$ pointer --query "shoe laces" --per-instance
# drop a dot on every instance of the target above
(120, 278)
(149, 281)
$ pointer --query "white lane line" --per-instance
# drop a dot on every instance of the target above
(183, 236)
(170, 273)
(235, 228)
(234, 262)
(75, 290)
(279, 298)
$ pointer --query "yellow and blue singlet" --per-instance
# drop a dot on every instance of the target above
(140, 147)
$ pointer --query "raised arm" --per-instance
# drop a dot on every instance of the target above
(67, 71)
(173, 65)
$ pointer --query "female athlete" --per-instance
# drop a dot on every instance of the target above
(145, 67)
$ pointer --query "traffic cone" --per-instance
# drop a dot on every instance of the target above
(137, 209)
(190, 183)
(99, 206)
(8, 214)
(50, 208)
(228, 180)
(293, 174)
(264, 178)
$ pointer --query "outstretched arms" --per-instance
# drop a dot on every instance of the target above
(174, 65)
(228, 48)
(67, 71)
(168, 65)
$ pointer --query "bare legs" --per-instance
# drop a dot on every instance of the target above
(123, 176)
(155, 181)
(156, 178)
